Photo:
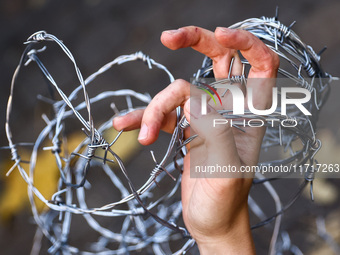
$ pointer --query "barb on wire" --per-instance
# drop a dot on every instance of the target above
(304, 70)
(148, 220)
(86, 157)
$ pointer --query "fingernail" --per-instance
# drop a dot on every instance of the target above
(175, 31)
(143, 133)
(223, 29)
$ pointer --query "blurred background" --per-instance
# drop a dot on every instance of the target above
(97, 31)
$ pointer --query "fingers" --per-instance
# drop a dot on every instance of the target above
(133, 120)
(203, 41)
(128, 122)
(160, 112)
(198, 38)
(221, 47)
(264, 62)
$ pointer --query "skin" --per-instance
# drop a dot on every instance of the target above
(215, 210)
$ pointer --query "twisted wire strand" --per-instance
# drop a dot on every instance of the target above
(93, 141)
(153, 224)
(306, 73)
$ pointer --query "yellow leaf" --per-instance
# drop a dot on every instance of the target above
(14, 197)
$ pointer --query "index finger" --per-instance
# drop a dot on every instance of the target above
(203, 41)
(166, 101)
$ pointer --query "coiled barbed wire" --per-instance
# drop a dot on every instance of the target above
(304, 70)
(136, 232)
(85, 155)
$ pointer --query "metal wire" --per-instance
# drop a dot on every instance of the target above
(63, 200)
(305, 72)
(147, 223)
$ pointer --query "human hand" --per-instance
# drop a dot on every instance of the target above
(214, 209)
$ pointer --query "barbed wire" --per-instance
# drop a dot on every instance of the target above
(154, 223)
(306, 72)
(85, 155)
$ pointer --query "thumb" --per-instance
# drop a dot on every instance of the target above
(216, 133)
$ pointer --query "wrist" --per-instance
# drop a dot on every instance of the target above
(237, 240)
(230, 245)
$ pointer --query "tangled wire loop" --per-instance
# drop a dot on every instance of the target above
(61, 201)
(140, 226)
(299, 66)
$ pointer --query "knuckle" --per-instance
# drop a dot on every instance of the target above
(271, 61)
(179, 82)
(180, 86)
(192, 27)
